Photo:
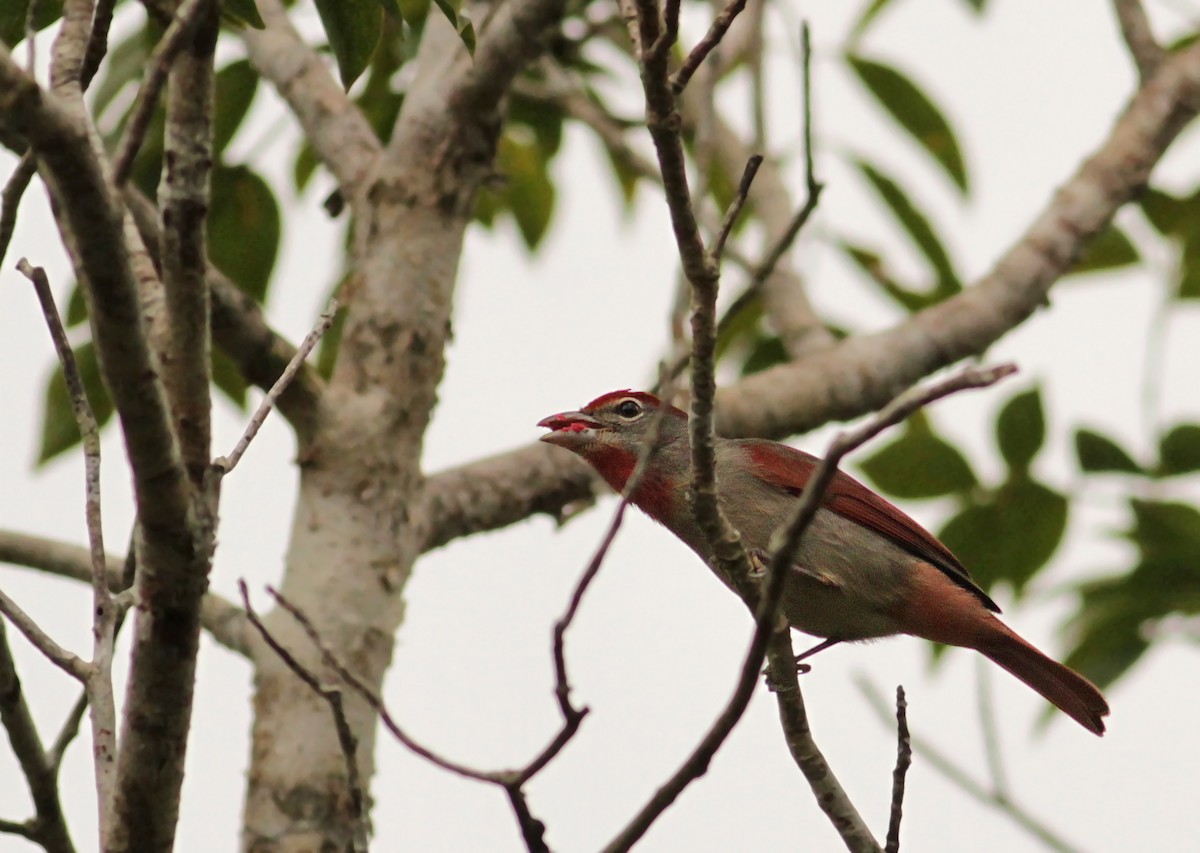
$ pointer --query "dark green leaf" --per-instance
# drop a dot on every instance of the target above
(1189, 274)
(1109, 643)
(768, 351)
(227, 377)
(1179, 450)
(14, 12)
(919, 464)
(353, 28)
(1110, 250)
(1166, 532)
(1009, 536)
(872, 265)
(236, 84)
(916, 224)
(1164, 210)
(305, 166)
(391, 7)
(59, 429)
(1099, 453)
(527, 192)
(461, 25)
(243, 228)
(414, 12)
(915, 112)
(243, 12)
(976, 6)
(76, 307)
(1021, 429)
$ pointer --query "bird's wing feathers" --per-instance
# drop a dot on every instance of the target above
(790, 469)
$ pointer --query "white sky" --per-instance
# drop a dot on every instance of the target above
(654, 652)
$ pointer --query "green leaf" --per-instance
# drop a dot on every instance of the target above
(1179, 450)
(1109, 643)
(353, 28)
(60, 431)
(915, 112)
(236, 84)
(976, 6)
(919, 464)
(1166, 532)
(768, 351)
(1111, 249)
(527, 192)
(1098, 453)
(1164, 210)
(243, 228)
(1009, 536)
(461, 25)
(1021, 429)
(1178, 218)
(14, 12)
(228, 378)
(916, 224)
(304, 167)
(76, 307)
(243, 12)
(874, 268)
(391, 7)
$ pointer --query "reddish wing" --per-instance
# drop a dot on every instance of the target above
(791, 469)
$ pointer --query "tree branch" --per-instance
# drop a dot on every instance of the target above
(48, 827)
(223, 620)
(340, 135)
(1147, 53)
(903, 761)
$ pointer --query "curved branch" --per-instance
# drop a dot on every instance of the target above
(224, 621)
(861, 374)
(338, 132)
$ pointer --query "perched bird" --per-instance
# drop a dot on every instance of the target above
(864, 569)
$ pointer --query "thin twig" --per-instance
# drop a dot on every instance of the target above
(48, 827)
(929, 751)
(68, 662)
(333, 697)
(104, 613)
(157, 68)
(368, 695)
(903, 761)
(813, 189)
(1147, 53)
(225, 464)
(712, 38)
(67, 733)
(97, 41)
(739, 201)
(10, 200)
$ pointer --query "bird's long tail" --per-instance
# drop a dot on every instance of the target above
(1073, 694)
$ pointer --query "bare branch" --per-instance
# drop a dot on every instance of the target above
(224, 621)
(68, 662)
(334, 126)
(48, 828)
(903, 761)
(104, 612)
(70, 728)
(712, 38)
(10, 200)
(1147, 53)
(177, 36)
(225, 464)
(240, 329)
(739, 201)
(333, 696)
(928, 750)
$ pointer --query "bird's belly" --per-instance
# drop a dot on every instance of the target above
(826, 611)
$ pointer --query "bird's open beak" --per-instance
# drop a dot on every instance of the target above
(567, 429)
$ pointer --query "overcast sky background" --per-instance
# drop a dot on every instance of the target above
(1031, 88)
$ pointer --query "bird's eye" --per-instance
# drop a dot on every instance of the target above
(629, 409)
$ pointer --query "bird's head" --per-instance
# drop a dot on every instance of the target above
(609, 431)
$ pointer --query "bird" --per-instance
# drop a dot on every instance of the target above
(864, 569)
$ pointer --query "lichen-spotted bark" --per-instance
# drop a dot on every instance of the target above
(359, 524)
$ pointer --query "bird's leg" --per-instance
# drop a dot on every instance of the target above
(802, 668)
